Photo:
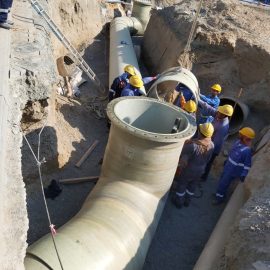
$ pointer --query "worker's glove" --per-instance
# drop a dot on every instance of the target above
(242, 178)
(122, 84)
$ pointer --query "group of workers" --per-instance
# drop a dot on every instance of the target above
(198, 153)
(128, 84)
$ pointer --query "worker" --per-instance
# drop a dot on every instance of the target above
(133, 88)
(212, 99)
(181, 93)
(190, 107)
(5, 6)
(237, 164)
(195, 155)
(220, 120)
(121, 82)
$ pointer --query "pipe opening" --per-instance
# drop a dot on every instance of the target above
(239, 116)
(150, 116)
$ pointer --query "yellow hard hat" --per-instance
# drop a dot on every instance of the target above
(226, 110)
(247, 132)
(216, 87)
(130, 69)
(207, 129)
(136, 81)
(190, 106)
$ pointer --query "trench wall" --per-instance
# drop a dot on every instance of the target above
(28, 76)
(222, 51)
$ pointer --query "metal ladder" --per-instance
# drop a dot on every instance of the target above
(76, 55)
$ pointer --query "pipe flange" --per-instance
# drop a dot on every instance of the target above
(187, 132)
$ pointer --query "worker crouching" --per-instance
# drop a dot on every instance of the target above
(194, 157)
(237, 164)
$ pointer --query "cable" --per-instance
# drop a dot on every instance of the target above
(39, 163)
(191, 33)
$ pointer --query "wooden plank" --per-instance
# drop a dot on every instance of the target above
(79, 180)
(86, 154)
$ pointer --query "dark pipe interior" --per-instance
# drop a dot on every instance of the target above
(237, 118)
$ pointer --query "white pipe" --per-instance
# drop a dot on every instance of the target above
(121, 47)
(117, 222)
(169, 79)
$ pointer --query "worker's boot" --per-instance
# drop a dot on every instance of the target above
(187, 200)
(5, 25)
(178, 201)
(217, 200)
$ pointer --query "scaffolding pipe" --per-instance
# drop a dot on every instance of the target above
(117, 222)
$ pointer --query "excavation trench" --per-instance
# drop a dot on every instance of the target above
(181, 235)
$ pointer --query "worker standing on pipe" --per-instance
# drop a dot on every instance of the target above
(5, 6)
(237, 164)
(220, 119)
(194, 157)
(121, 82)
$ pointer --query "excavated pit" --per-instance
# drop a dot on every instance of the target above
(224, 50)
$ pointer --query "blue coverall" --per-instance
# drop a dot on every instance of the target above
(221, 129)
(118, 85)
(213, 102)
(188, 95)
(237, 165)
(130, 90)
(5, 6)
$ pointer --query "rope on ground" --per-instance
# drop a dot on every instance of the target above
(39, 163)
(184, 58)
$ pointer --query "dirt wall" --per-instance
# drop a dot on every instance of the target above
(31, 78)
(229, 47)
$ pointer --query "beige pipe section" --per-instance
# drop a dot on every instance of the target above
(117, 222)
(169, 79)
(215, 245)
(121, 47)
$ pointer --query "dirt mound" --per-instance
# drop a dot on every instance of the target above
(230, 47)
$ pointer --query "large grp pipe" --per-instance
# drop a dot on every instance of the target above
(121, 48)
(114, 228)
(168, 80)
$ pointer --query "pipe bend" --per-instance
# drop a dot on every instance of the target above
(114, 228)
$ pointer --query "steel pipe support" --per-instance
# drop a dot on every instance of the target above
(169, 79)
(114, 228)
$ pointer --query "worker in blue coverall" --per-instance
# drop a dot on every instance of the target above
(212, 100)
(133, 88)
(121, 82)
(237, 164)
(188, 95)
(220, 119)
(195, 155)
(5, 6)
